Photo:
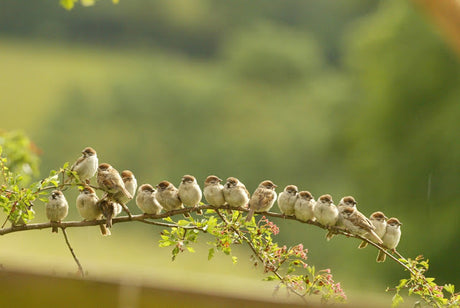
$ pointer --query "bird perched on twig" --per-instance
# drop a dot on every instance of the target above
(326, 213)
(235, 193)
(168, 197)
(358, 224)
(110, 209)
(390, 238)
(262, 199)
(89, 209)
(287, 199)
(304, 206)
(213, 191)
(189, 192)
(110, 181)
(379, 221)
(130, 183)
(56, 208)
(86, 165)
(146, 200)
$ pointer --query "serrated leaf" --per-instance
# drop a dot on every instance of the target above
(168, 219)
(402, 283)
(66, 164)
(183, 223)
(190, 249)
(397, 299)
(449, 288)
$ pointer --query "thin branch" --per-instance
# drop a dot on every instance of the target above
(80, 268)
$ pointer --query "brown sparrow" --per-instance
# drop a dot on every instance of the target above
(110, 209)
(130, 182)
(326, 213)
(358, 224)
(287, 199)
(390, 238)
(262, 199)
(168, 197)
(347, 201)
(213, 191)
(146, 200)
(304, 206)
(86, 165)
(57, 208)
(190, 192)
(379, 221)
(110, 181)
(235, 193)
(88, 208)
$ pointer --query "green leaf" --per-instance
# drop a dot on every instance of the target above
(190, 249)
(168, 219)
(67, 4)
(65, 165)
(270, 278)
(183, 223)
(449, 288)
(402, 283)
(397, 299)
(234, 259)
(211, 253)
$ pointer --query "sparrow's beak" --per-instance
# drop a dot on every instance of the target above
(220, 180)
(274, 185)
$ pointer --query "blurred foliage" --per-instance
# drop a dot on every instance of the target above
(364, 101)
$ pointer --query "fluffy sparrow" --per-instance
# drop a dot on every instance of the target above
(110, 180)
(347, 201)
(190, 192)
(110, 209)
(391, 237)
(213, 191)
(168, 197)
(304, 206)
(146, 200)
(235, 193)
(88, 208)
(326, 213)
(86, 165)
(262, 199)
(379, 221)
(56, 208)
(287, 199)
(355, 222)
(130, 182)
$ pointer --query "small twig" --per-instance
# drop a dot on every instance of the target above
(80, 268)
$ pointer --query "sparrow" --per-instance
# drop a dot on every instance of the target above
(146, 200)
(190, 192)
(110, 181)
(358, 224)
(168, 197)
(57, 208)
(86, 165)
(235, 193)
(287, 199)
(347, 201)
(130, 182)
(379, 221)
(326, 213)
(110, 209)
(262, 199)
(390, 238)
(88, 208)
(213, 191)
(304, 206)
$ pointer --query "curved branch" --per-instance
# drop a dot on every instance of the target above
(80, 268)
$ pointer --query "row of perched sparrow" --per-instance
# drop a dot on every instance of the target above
(120, 189)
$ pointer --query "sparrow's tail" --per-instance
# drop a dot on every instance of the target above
(381, 256)
(362, 245)
(329, 235)
(250, 214)
(104, 230)
(54, 229)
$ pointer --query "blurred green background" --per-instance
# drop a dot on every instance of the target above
(358, 97)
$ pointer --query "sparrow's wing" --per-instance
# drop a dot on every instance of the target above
(75, 164)
(265, 197)
(363, 222)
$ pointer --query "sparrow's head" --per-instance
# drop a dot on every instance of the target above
(87, 190)
(378, 216)
(347, 211)
(231, 182)
(188, 179)
(348, 201)
(394, 222)
(164, 185)
(104, 167)
(127, 175)
(56, 194)
(146, 188)
(268, 185)
(327, 199)
(88, 151)
(212, 180)
(291, 189)
(305, 195)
